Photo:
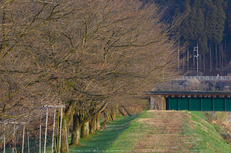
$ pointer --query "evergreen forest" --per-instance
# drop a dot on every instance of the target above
(206, 23)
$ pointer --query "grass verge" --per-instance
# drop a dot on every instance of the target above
(127, 134)
(205, 137)
(105, 140)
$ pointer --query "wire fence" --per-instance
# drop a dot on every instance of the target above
(33, 132)
(204, 78)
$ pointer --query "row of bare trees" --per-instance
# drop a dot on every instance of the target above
(83, 54)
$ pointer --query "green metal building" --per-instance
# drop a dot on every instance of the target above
(192, 101)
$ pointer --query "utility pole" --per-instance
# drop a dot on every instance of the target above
(196, 56)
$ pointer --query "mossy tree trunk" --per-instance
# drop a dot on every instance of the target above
(76, 130)
(93, 125)
(67, 118)
(64, 143)
(117, 109)
(79, 121)
(85, 130)
(129, 114)
(106, 118)
(113, 114)
(97, 123)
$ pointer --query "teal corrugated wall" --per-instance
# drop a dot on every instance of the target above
(199, 104)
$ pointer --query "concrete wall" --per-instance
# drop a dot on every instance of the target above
(157, 102)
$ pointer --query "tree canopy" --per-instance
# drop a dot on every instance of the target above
(82, 54)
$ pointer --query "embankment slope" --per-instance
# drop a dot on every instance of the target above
(158, 131)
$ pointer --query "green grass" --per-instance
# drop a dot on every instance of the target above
(206, 138)
(124, 133)
(34, 145)
(121, 135)
(132, 135)
(107, 139)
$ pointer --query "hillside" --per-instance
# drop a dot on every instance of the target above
(206, 24)
(157, 131)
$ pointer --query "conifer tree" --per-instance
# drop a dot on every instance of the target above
(206, 3)
(211, 22)
(193, 24)
(185, 33)
(221, 17)
(200, 32)
(197, 3)
(229, 21)
(218, 2)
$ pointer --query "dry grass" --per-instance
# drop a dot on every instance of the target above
(164, 133)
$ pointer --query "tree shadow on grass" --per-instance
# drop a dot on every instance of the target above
(103, 140)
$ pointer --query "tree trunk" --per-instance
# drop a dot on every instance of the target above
(97, 123)
(85, 131)
(77, 124)
(106, 119)
(121, 111)
(222, 56)
(219, 47)
(204, 61)
(93, 125)
(178, 59)
(187, 59)
(210, 51)
(68, 117)
(64, 143)
(216, 57)
(193, 61)
(113, 114)
(76, 131)
(104, 124)
(200, 62)
(224, 53)
(183, 62)
(107, 116)
(127, 111)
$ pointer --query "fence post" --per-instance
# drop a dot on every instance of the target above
(28, 141)
(53, 135)
(40, 135)
(23, 133)
(60, 132)
(4, 140)
(45, 141)
(13, 140)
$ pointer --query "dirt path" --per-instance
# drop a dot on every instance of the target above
(165, 133)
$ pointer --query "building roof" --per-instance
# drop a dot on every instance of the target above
(189, 93)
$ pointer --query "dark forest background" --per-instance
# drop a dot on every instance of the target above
(206, 23)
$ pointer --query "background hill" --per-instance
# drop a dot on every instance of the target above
(206, 23)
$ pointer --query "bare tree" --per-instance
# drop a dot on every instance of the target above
(82, 54)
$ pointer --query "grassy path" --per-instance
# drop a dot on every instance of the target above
(157, 131)
(103, 140)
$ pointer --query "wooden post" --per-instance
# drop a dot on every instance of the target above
(53, 135)
(28, 141)
(13, 140)
(60, 132)
(23, 133)
(40, 135)
(4, 140)
(45, 141)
